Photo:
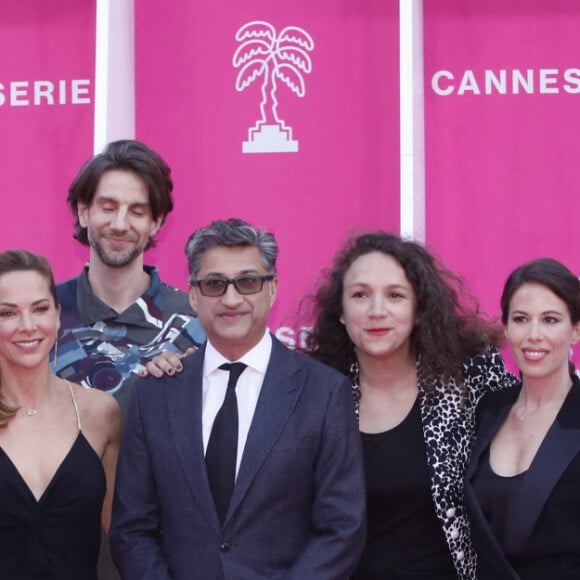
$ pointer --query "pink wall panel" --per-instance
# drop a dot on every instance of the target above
(502, 104)
(345, 173)
(46, 117)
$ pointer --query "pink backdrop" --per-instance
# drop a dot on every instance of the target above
(501, 167)
(502, 87)
(346, 171)
(46, 117)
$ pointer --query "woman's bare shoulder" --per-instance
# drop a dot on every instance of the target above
(95, 403)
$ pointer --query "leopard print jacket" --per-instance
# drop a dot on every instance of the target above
(448, 417)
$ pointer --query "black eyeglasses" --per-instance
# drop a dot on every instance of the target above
(243, 284)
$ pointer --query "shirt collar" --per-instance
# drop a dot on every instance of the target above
(93, 309)
(256, 358)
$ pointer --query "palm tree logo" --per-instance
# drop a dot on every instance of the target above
(275, 58)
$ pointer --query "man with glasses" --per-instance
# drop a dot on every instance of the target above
(248, 463)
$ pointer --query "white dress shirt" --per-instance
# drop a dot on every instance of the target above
(248, 387)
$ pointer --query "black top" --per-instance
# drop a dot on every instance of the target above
(496, 494)
(404, 537)
(58, 536)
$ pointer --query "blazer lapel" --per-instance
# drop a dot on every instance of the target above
(490, 424)
(560, 446)
(483, 537)
(184, 401)
(280, 391)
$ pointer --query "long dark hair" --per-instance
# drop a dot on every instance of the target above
(449, 329)
(548, 273)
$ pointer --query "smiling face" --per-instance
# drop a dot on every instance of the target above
(29, 319)
(378, 306)
(540, 332)
(234, 323)
(118, 221)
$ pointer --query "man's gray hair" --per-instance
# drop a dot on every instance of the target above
(230, 233)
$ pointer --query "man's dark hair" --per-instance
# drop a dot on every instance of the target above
(124, 155)
(230, 233)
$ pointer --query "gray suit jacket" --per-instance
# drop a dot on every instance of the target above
(297, 511)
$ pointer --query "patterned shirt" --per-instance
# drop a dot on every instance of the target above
(101, 348)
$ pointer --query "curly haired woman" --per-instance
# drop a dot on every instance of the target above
(420, 357)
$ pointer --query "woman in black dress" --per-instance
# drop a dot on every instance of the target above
(420, 359)
(523, 483)
(58, 441)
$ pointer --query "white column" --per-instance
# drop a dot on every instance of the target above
(412, 104)
(114, 72)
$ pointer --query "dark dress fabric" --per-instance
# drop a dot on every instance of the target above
(404, 536)
(496, 493)
(57, 537)
(539, 538)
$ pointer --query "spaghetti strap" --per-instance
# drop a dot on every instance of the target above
(75, 404)
(55, 535)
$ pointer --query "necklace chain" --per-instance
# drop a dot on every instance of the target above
(523, 414)
(33, 411)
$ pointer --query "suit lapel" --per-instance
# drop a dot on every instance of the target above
(560, 446)
(184, 396)
(281, 388)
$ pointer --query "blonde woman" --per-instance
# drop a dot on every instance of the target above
(58, 441)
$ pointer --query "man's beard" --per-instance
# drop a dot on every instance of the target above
(118, 259)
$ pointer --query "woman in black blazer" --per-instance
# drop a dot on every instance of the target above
(522, 488)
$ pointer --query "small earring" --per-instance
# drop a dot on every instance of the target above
(354, 371)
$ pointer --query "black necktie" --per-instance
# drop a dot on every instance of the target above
(222, 447)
